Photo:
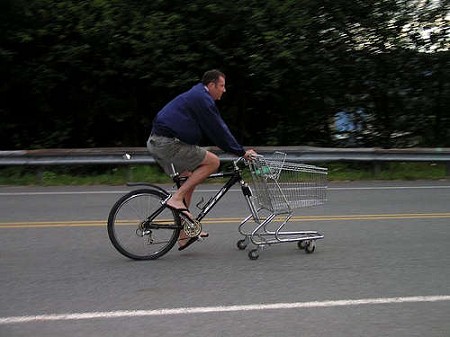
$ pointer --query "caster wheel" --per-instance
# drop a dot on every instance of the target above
(302, 244)
(253, 254)
(310, 247)
(241, 244)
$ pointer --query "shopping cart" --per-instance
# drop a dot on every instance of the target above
(279, 187)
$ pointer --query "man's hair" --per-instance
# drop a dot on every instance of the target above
(212, 76)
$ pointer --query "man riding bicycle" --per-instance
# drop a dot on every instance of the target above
(179, 128)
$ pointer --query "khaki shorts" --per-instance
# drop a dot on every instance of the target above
(168, 151)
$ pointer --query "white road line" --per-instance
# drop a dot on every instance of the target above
(367, 188)
(217, 309)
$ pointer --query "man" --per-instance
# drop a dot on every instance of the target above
(178, 129)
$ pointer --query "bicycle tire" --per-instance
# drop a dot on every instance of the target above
(133, 235)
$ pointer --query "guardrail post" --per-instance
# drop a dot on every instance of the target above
(377, 167)
(130, 172)
(40, 174)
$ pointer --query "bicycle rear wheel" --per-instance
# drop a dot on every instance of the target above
(140, 227)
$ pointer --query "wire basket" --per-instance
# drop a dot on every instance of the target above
(281, 186)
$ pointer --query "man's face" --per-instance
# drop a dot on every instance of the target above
(217, 89)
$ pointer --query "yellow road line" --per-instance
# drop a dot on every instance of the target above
(360, 217)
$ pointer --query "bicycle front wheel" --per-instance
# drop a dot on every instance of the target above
(140, 227)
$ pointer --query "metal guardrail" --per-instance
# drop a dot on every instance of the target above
(139, 155)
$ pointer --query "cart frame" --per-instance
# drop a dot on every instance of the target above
(278, 188)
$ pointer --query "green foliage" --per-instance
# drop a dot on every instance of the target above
(386, 171)
(74, 176)
(94, 73)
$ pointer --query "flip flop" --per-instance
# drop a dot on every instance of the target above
(190, 241)
(181, 210)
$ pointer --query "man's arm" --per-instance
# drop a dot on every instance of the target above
(215, 128)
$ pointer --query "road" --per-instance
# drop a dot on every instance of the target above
(383, 269)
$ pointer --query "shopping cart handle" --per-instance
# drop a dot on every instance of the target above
(240, 159)
(254, 156)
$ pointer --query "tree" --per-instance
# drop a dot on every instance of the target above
(94, 73)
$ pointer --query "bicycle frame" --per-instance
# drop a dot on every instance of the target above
(235, 177)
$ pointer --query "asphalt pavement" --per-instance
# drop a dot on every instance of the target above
(383, 268)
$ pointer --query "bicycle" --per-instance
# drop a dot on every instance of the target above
(141, 226)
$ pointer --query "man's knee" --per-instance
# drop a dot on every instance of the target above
(212, 160)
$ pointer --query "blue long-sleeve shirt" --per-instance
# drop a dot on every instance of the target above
(193, 116)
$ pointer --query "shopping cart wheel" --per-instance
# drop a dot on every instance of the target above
(302, 244)
(242, 244)
(310, 246)
(253, 254)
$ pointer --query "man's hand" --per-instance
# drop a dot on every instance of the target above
(250, 154)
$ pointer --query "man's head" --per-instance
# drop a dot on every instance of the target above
(214, 80)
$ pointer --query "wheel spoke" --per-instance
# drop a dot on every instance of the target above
(131, 232)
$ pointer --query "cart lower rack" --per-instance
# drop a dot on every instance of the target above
(278, 188)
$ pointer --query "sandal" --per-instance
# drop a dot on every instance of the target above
(190, 241)
(184, 211)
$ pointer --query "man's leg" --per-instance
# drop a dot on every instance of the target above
(209, 165)
(182, 198)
